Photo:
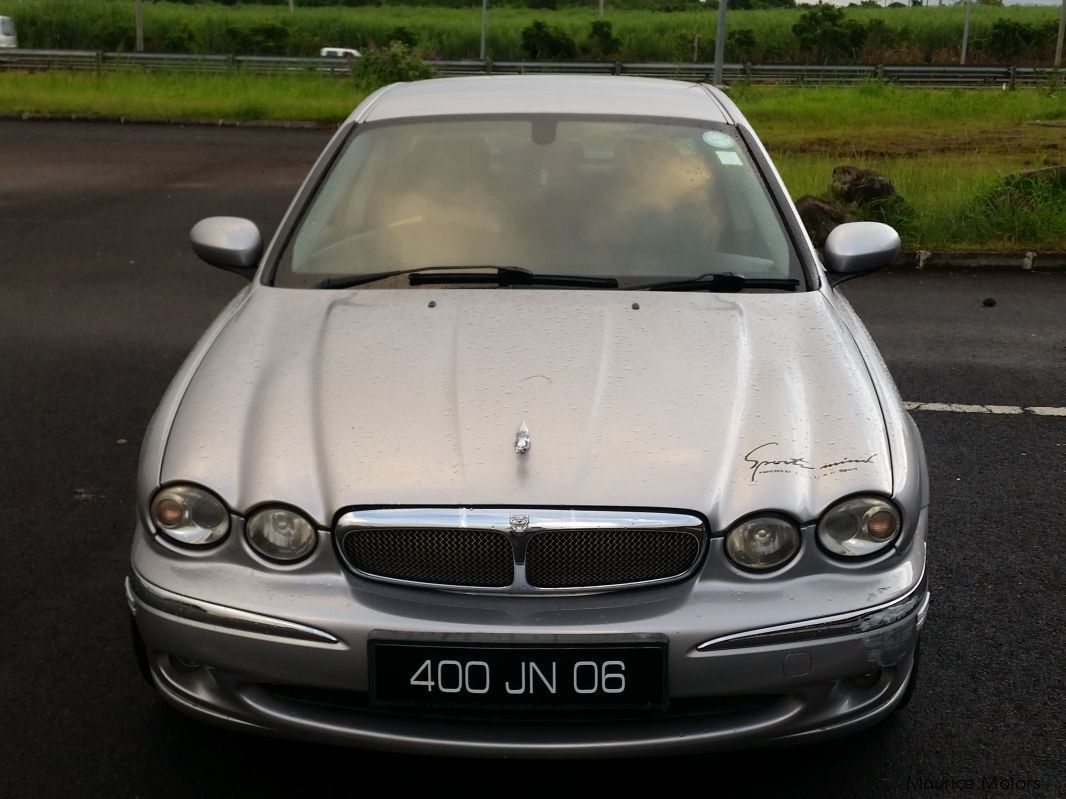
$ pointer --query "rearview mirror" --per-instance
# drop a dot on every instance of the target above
(229, 243)
(858, 248)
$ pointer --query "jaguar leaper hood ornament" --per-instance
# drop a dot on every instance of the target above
(521, 440)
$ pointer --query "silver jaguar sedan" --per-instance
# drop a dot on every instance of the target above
(540, 429)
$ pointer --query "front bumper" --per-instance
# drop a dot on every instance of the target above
(283, 670)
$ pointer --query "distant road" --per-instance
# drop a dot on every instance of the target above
(101, 298)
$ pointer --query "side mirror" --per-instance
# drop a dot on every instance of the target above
(858, 248)
(229, 243)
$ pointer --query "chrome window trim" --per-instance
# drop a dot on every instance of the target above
(859, 621)
(540, 520)
(196, 610)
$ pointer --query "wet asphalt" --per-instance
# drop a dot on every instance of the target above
(100, 300)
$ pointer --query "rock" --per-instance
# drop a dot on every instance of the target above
(853, 186)
(820, 217)
(1051, 174)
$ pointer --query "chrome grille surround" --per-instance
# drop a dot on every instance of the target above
(627, 548)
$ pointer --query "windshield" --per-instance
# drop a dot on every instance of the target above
(632, 199)
(7, 27)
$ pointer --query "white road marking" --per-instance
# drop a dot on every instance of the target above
(1046, 411)
(954, 407)
(1004, 409)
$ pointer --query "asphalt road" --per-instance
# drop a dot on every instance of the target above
(100, 299)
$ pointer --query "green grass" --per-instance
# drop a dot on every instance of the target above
(881, 117)
(953, 198)
(946, 151)
(174, 96)
(913, 35)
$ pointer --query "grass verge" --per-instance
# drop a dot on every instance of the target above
(948, 152)
(308, 98)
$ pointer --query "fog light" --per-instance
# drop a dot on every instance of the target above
(281, 534)
(764, 543)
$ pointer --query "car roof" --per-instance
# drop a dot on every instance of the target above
(545, 94)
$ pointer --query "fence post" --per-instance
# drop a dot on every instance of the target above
(965, 32)
(1061, 35)
(138, 22)
(880, 72)
(98, 62)
(719, 42)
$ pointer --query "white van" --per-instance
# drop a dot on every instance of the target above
(7, 33)
(347, 53)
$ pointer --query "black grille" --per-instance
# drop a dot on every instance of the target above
(588, 558)
(445, 556)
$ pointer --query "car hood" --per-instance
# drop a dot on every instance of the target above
(723, 404)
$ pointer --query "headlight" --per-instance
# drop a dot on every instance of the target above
(859, 526)
(190, 515)
(763, 543)
(280, 534)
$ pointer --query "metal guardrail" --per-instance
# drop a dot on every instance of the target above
(100, 62)
(902, 75)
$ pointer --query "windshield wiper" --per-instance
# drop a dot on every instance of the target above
(347, 281)
(508, 276)
(502, 276)
(723, 281)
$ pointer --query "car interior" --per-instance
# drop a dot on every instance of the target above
(588, 200)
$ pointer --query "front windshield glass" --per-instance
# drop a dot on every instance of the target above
(634, 199)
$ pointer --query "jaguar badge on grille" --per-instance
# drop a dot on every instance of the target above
(521, 439)
(519, 523)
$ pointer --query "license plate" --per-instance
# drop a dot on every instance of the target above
(504, 676)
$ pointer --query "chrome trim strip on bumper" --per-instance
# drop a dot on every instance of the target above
(520, 525)
(131, 600)
(923, 609)
(197, 610)
(859, 621)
